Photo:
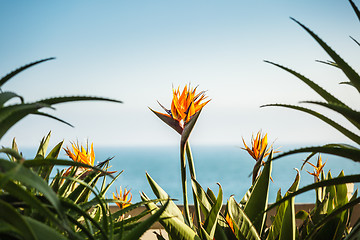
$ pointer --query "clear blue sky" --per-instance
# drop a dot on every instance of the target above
(135, 51)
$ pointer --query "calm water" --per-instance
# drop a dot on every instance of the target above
(228, 165)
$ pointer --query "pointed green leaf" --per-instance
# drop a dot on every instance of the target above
(29, 178)
(356, 10)
(161, 194)
(348, 71)
(340, 150)
(174, 226)
(4, 79)
(258, 199)
(243, 227)
(329, 182)
(11, 216)
(352, 115)
(288, 226)
(43, 231)
(212, 218)
(6, 96)
(322, 92)
(346, 132)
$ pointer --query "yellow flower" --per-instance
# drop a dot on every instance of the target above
(184, 105)
(318, 168)
(80, 154)
(125, 198)
(258, 148)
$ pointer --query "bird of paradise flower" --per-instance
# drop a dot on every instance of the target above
(259, 150)
(185, 108)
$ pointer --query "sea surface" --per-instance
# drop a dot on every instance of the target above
(230, 166)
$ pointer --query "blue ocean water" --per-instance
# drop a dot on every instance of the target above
(230, 166)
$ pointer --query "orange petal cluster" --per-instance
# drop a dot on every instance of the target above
(125, 198)
(258, 146)
(80, 154)
(318, 168)
(186, 103)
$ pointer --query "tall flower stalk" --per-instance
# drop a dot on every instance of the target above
(186, 106)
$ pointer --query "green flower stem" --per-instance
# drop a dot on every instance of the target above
(193, 176)
(184, 188)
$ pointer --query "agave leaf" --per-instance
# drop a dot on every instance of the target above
(41, 152)
(258, 199)
(335, 125)
(4, 79)
(83, 190)
(161, 194)
(358, 43)
(173, 225)
(57, 100)
(10, 115)
(45, 171)
(12, 153)
(356, 10)
(11, 216)
(340, 150)
(339, 211)
(352, 115)
(243, 227)
(6, 96)
(333, 181)
(77, 211)
(331, 63)
(105, 189)
(61, 162)
(29, 178)
(348, 71)
(81, 229)
(8, 230)
(43, 231)
(52, 117)
(322, 92)
(26, 196)
(102, 204)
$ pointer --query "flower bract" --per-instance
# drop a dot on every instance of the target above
(318, 168)
(125, 198)
(80, 154)
(185, 104)
(258, 148)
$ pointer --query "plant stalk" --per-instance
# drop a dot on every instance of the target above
(184, 187)
(193, 176)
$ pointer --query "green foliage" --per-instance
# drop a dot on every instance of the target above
(10, 114)
(330, 217)
(36, 203)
